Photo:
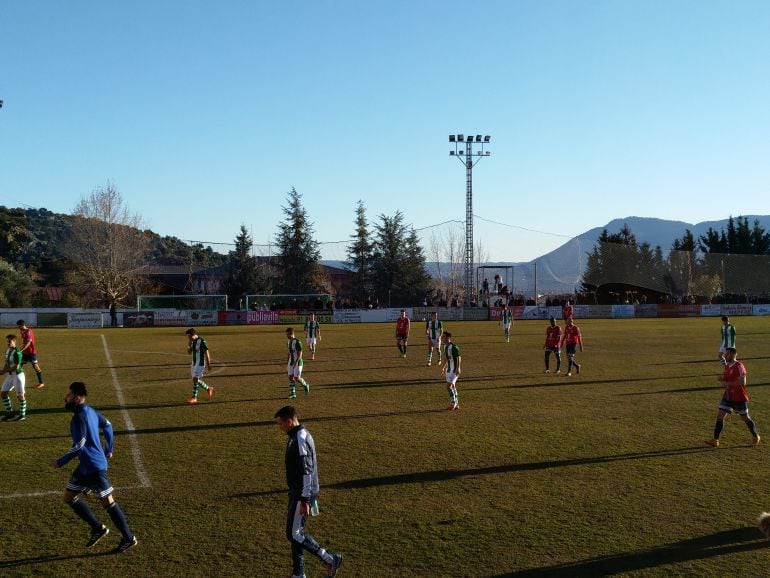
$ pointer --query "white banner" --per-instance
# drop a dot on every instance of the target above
(737, 308)
(624, 311)
(201, 317)
(170, 318)
(84, 320)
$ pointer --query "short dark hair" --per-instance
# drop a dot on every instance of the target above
(78, 388)
(731, 349)
(724, 318)
(191, 331)
(10, 336)
(289, 330)
(20, 322)
(448, 333)
(286, 412)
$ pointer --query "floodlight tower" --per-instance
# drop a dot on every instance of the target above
(466, 157)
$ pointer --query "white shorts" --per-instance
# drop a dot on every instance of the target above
(434, 343)
(15, 381)
(293, 371)
(506, 326)
(312, 340)
(451, 378)
(722, 349)
(197, 370)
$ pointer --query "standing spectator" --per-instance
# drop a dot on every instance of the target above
(91, 473)
(302, 479)
(735, 398)
(113, 314)
(29, 351)
(573, 339)
(728, 338)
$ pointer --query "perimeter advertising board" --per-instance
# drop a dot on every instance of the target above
(84, 320)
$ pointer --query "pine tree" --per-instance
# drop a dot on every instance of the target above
(298, 252)
(360, 257)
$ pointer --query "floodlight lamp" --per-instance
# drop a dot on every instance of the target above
(451, 138)
(478, 138)
(486, 138)
(452, 153)
(488, 153)
(460, 138)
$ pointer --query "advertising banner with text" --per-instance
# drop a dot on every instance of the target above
(262, 317)
(84, 320)
(737, 308)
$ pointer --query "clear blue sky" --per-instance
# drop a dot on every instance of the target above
(204, 114)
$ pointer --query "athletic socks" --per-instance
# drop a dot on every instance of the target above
(39, 376)
(84, 513)
(7, 405)
(23, 408)
(119, 519)
(752, 427)
(196, 385)
(718, 428)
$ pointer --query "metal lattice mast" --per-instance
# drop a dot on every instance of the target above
(466, 157)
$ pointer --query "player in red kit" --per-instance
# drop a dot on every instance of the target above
(552, 345)
(735, 398)
(402, 332)
(573, 340)
(567, 310)
(28, 350)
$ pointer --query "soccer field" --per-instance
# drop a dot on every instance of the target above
(602, 473)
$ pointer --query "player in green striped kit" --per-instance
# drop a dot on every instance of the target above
(201, 359)
(312, 333)
(295, 363)
(506, 320)
(14, 379)
(451, 368)
(433, 329)
(728, 338)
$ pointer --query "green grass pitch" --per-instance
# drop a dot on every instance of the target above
(602, 473)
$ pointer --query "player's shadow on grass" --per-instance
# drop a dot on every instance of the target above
(691, 389)
(47, 559)
(719, 544)
(561, 380)
(448, 475)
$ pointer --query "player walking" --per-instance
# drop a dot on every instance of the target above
(553, 345)
(506, 320)
(29, 351)
(433, 329)
(294, 365)
(451, 368)
(302, 479)
(312, 334)
(14, 380)
(573, 339)
(735, 398)
(91, 473)
(728, 338)
(402, 332)
(201, 360)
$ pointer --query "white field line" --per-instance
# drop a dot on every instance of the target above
(55, 493)
(144, 480)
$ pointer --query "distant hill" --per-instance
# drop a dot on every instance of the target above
(560, 270)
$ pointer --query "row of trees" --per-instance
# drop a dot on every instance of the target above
(735, 260)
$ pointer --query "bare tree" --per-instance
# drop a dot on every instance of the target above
(108, 245)
(447, 251)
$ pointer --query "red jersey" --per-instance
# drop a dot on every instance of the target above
(27, 337)
(735, 371)
(567, 311)
(402, 326)
(572, 335)
(552, 336)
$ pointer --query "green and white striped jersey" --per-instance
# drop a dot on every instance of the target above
(295, 348)
(198, 348)
(506, 315)
(434, 328)
(452, 356)
(728, 335)
(312, 327)
(13, 358)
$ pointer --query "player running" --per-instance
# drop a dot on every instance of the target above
(29, 351)
(573, 339)
(312, 334)
(451, 368)
(14, 380)
(433, 329)
(506, 320)
(294, 365)
(402, 332)
(201, 360)
(735, 398)
(553, 345)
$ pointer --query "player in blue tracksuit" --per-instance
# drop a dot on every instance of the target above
(91, 473)
(302, 479)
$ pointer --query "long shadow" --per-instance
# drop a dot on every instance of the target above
(712, 360)
(563, 381)
(45, 559)
(691, 389)
(445, 475)
(719, 544)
